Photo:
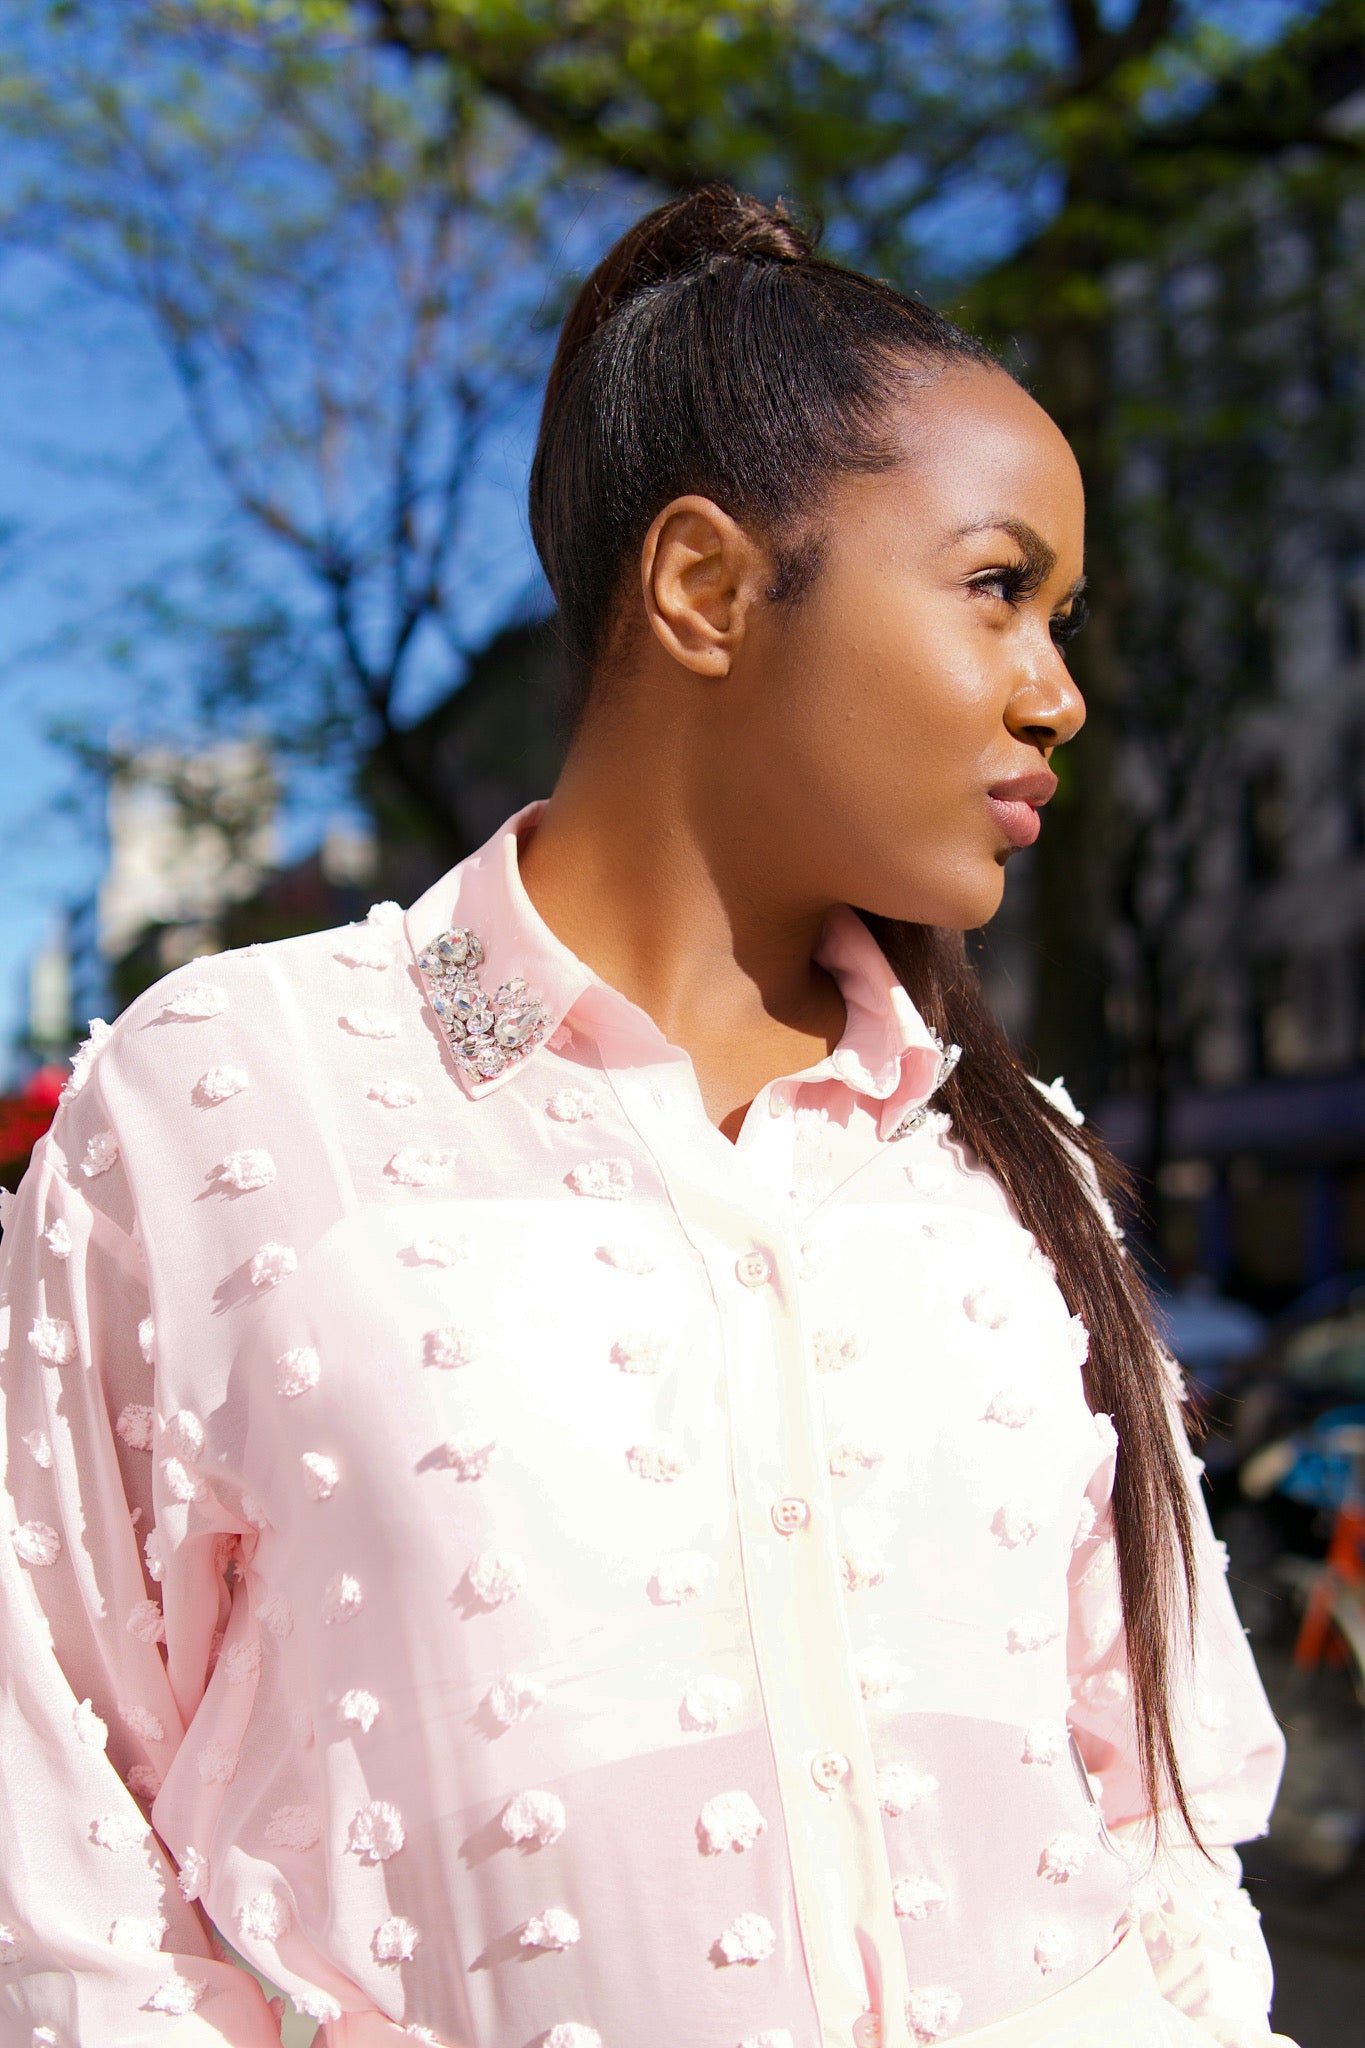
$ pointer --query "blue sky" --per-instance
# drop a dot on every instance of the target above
(101, 484)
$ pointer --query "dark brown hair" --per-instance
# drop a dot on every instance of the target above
(713, 351)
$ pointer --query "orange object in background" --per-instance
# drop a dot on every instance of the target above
(1344, 1567)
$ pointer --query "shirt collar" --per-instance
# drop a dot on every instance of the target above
(887, 1050)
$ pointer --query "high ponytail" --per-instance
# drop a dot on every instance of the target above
(713, 351)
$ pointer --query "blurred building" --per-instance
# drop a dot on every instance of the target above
(190, 835)
(1236, 950)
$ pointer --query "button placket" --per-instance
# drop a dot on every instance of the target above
(812, 1703)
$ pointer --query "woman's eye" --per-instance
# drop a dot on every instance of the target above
(1009, 583)
(1068, 626)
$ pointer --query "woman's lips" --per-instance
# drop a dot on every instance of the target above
(1016, 804)
(1019, 821)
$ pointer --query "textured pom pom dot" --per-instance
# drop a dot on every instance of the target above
(359, 1708)
(881, 1676)
(421, 1166)
(184, 1435)
(639, 1351)
(394, 1094)
(684, 1576)
(53, 1340)
(468, 1457)
(395, 1940)
(569, 2034)
(220, 1084)
(296, 1371)
(146, 1622)
(750, 1938)
(58, 1240)
(846, 1459)
(376, 1832)
(294, 1827)
(366, 1023)
(554, 1928)
(988, 1307)
(194, 1874)
(134, 1425)
(118, 1831)
(447, 1348)
(216, 1763)
(537, 1817)
(11, 1944)
(39, 1447)
(915, 1898)
(730, 1820)
(1107, 1434)
(365, 948)
(88, 1726)
(176, 1995)
(320, 1475)
(931, 2009)
(342, 1598)
(182, 1484)
(143, 1781)
(1014, 1524)
(708, 1701)
(1032, 1630)
(497, 1576)
(1011, 1407)
(862, 1567)
(835, 1350)
(901, 1788)
(265, 1916)
(514, 1698)
(37, 1543)
(627, 1257)
(569, 1105)
(1053, 1948)
(771, 2037)
(271, 1264)
(242, 1661)
(609, 1180)
(659, 1462)
(1045, 1742)
(274, 1614)
(196, 1001)
(247, 1170)
(1065, 1856)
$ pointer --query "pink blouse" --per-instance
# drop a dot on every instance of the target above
(534, 1574)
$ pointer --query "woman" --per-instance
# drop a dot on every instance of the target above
(590, 1483)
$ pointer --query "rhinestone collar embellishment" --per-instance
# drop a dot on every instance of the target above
(486, 1034)
(948, 1057)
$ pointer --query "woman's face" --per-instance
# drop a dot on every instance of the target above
(895, 724)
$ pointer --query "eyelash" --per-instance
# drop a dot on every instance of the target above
(1018, 583)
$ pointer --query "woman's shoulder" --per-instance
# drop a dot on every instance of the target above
(225, 1022)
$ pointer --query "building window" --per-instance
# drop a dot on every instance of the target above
(1264, 823)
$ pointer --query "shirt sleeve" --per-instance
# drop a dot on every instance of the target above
(1201, 1931)
(100, 1938)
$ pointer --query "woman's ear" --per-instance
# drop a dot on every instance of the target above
(700, 575)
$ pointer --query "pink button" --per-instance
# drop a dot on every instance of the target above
(754, 1269)
(867, 2030)
(829, 1769)
(790, 1514)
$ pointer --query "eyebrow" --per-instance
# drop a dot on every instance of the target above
(1040, 558)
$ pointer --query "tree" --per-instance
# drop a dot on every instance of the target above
(1088, 137)
(345, 268)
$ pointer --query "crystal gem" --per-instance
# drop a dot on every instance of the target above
(514, 1027)
(486, 1034)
